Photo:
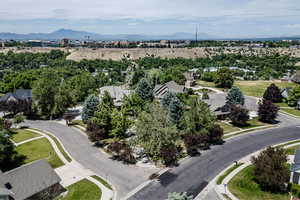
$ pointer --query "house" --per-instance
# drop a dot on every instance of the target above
(296, 77)
(171, 86)
(18, 101)
(190, 79)
(295, 168)
(33, 181)
(117, 93)
(286, 92)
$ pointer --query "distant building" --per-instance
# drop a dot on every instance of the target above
(171, 86)
(33, 181)
(21, 97)
(65, 42)
(117, 93)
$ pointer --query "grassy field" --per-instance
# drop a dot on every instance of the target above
(39, 149)
(228, 171)
(105, 183)
(83, 190)
(21, 135)
(257, 88)
(252, 88)
(244, 187)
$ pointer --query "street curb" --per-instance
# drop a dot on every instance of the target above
(288, 114)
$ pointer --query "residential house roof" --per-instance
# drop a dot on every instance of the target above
(296, 165)
(171, 86)
(286, 91)
(20, 94)
(29, 179)
(116, 92)
(296, 77)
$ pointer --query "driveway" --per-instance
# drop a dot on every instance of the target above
(195, 173)
(123, 177)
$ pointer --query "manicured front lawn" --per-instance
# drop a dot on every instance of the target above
(83, 190)
(253, 123)
(291, 111)
(206, 84)
(228, 128)
(257, 88)
(244, 187)
(39, 149)
(20, 135)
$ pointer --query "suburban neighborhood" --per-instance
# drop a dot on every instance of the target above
(150, 100)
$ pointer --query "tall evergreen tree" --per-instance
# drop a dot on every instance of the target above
(166, 100)
(89, 107)
(235, 97)
(175, 110)
(273, 94)
(107, 99)
(144, 90)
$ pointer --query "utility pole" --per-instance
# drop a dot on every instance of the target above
(196, 34)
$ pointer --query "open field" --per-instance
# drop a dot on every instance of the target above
(257, 88)
(21, 135)
(39, 149)
(82, 190)
(136, 53)
(244, 187)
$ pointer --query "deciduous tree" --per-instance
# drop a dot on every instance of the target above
(224, 78)
(267, 111)
(273, 94)
(239, 115)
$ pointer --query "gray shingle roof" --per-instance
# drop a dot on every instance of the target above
(171, 86)
(30, 179)
(20, 94)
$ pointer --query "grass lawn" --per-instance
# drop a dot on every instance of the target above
(291, 111)
(61, 149)
(206, 84)
(253, 123)
(83, 190)
(39, 149)
(20, 135)
(78, 122)
(228, 128)
(244, 187)
(228, 171)
(292, 150)
(106, 184)
(283, 104)
(257, 88)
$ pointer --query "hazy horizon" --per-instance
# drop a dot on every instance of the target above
(222, 18)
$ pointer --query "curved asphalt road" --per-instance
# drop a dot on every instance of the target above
(193, 174)
(123, 177)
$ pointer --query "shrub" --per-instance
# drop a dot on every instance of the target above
(267, 111)
(239, 115)
(273, 94)
(215, 134)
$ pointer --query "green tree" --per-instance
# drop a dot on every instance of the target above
(271, 169)
(179, 196)
(9, 158)
(44, 91)
(144, 90)
(133, 104)
(175, 110)
(89, 107)
(235, 97)
(224, 78)
(166, 100)
(294, 96)
(107, 99)
(120, 123)
(154, 133)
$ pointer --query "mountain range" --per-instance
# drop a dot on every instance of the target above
(82, 35)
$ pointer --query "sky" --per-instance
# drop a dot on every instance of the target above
(221, 18)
